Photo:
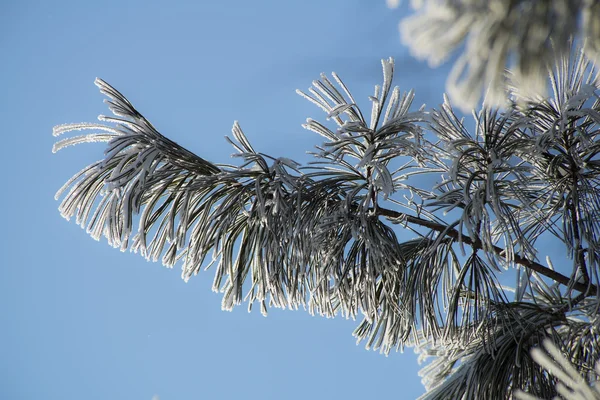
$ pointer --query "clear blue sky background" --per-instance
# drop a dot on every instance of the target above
(81, 320)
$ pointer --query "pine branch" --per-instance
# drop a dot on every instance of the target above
(453, 233)
(284, 238)
(579, 251)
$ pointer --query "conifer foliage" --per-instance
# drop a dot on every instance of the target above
(406, 219)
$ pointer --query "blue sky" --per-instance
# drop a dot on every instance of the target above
(84, 321)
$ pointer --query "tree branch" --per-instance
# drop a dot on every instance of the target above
(579, 254)
(453, 233)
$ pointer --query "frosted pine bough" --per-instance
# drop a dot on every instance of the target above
(321, 236)
(491, 35)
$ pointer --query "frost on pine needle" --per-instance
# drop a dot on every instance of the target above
(571, 384)
(525, 36)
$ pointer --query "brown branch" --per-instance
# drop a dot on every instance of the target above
(453, 233)
(579, 254)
